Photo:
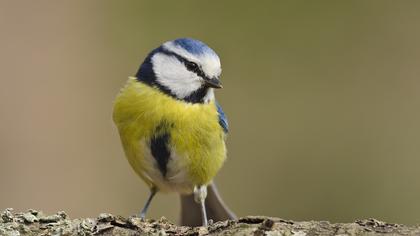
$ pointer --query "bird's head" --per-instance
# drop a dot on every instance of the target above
(185, 69)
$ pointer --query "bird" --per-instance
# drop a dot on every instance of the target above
(172, 129)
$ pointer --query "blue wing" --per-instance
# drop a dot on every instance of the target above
(222, 118)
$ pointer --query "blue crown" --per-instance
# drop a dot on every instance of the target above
(194, 46)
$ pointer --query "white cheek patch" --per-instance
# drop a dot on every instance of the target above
(172, 74)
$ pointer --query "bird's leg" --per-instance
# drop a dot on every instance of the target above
(143, 212)
(200, 194)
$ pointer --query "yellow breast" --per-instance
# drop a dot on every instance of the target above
(195, 134)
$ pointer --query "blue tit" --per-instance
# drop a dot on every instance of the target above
(171, 127)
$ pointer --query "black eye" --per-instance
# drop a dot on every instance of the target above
(191, 66)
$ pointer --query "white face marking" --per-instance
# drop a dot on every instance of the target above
(173, 74)
(209, 62)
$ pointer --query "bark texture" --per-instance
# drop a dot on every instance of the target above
(36, 223)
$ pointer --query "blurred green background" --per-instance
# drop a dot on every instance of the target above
(322, 97)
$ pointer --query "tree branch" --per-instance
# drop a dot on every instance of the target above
(36, 223)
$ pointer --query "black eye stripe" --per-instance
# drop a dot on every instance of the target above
(188, 64)
(191, 66)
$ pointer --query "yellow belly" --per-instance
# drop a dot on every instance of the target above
(197, 141)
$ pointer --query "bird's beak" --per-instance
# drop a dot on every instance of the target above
(213, 83)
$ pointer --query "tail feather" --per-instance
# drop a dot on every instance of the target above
(216, 208)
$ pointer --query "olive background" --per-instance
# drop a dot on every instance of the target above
(322, 99)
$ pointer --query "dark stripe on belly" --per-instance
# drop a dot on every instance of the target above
(160, 151)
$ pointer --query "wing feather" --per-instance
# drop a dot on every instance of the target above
(222, 118)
